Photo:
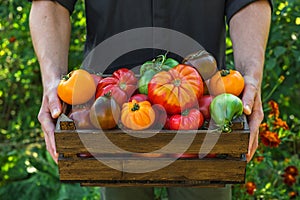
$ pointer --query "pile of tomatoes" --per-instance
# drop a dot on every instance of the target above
(176, 97)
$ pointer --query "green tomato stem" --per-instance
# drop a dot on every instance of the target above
(225, 72)
(135, 107)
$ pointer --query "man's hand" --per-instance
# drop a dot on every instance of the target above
(49, 111)
(50, 31)
(249, 29)
(253, 108)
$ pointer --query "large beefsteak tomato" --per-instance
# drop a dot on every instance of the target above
(177, 89)
(121, 84)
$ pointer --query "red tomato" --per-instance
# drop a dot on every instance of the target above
(204, 103)
(188, 120)
(160, 116)
(186, 155)
(167, 123)
(139, 97)
(121, 84)
(97, 78)
(105, 112)
(177, 89)
(81, 117)
(211, 155)
(149, 155)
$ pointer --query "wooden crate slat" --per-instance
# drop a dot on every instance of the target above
(229, 167)
(153, 184)
(71, 142)
(82, 170)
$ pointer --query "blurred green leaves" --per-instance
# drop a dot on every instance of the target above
(26, 169)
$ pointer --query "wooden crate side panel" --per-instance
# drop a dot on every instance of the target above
(210, 170)
(195, 184)
(72, 142)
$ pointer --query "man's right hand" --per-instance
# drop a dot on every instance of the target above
(50, 30)
(50, 109)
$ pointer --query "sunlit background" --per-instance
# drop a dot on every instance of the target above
(27, 170)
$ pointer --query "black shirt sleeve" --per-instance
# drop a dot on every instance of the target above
(233, 6)
(68, 4)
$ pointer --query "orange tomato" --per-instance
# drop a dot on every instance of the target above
(177, 89)
(226, 81)
(77, 87)
(137, 115)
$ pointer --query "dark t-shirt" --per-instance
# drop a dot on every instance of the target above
(202, 20)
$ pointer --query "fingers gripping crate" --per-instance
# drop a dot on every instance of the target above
(84, 157)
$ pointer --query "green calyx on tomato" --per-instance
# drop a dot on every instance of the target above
(135, 107)
(150, 68)
(224, 108)
(225, 72)
(158, 64)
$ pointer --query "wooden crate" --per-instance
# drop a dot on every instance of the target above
(78, 163)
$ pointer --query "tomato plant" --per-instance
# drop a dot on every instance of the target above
(177, 89)
(77, 87)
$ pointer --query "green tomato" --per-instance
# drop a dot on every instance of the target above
(224, 108)
(171, 62)
(144, 80)
(149, 65)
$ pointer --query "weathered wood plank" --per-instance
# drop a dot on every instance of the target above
(84, 141)
(208, 170)
(153, 184)
(76, 164)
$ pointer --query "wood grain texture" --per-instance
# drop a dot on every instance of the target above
(197, 171)
(91, 141)
(79, 149)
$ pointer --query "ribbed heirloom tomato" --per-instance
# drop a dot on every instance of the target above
(77, 87)
(226, 81)
(121, 84)
(177, 89)
(137, 115)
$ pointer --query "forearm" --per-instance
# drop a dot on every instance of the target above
(249, 31)
(50, 31)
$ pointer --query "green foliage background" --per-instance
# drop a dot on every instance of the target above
(26, 169)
